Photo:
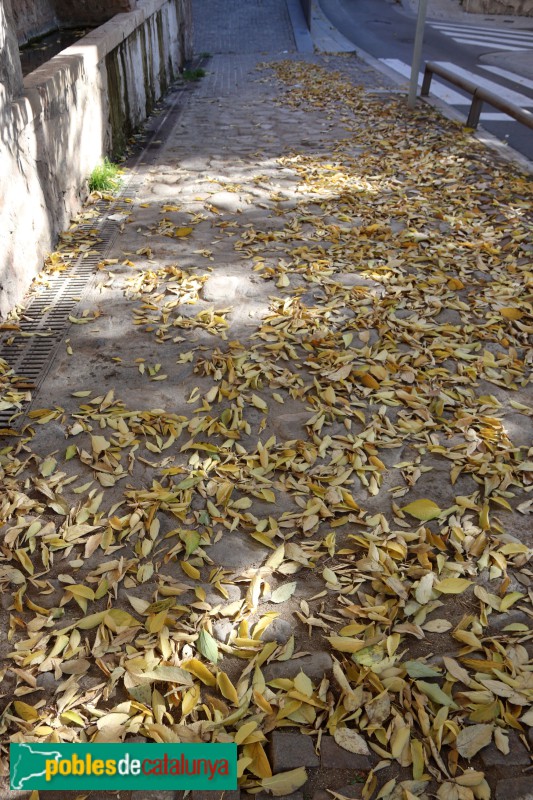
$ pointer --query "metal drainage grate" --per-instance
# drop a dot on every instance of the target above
(30, 357)
(45, 318)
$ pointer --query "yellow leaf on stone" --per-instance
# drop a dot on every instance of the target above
(510, 599)
(80, 590)
(259, 765)
(452, 585)
(303, 684)
(345, 644)
(511, 313)
(244, 732)
(190, 570)
(190, 699)
(423, 509)
(180, 232)
(199, 670)
(259, 403)
(227, 689)
(285, 782)
(25, 711)
(25, 560)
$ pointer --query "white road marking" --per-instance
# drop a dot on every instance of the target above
(495, 37)
(510, 48)
(526, 35)
(446, 94)
(510, 76)
(506, 94)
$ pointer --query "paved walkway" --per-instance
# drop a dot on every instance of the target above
(284, 437)
(236, 27)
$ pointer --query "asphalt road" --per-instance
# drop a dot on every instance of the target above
(386, 31)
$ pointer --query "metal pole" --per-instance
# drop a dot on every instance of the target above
(417, 52)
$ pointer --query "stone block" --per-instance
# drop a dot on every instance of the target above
(268, 796)
(292, 750)
(157, 795)
(208, 795)
(515, 788)
(353, 791)
(518, 755)
(237, 551)
(278, 631)
(315, 666)
(334, 757)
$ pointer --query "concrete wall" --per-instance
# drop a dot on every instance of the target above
(36, 17)
(33, 18)
(90, 12)
(69, 113)
(511, 7)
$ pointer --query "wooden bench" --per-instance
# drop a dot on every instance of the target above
(479, 96)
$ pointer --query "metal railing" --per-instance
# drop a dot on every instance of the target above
(479, 96)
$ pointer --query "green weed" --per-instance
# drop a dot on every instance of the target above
(193, 74)
(105, 177)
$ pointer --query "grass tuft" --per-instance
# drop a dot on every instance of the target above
(193, 74)
(104, 177)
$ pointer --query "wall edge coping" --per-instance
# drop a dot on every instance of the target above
(87, 52)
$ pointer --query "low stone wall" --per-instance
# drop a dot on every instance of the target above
(522, 8)
(36, 17)
(33, 18)
(76, 108)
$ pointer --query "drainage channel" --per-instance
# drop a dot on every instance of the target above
(30, 350)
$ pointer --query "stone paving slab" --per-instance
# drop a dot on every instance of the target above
(219, 165)
(237, 27)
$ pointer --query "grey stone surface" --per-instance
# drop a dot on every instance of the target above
(222, 629)
(354, 791)
(292, 426)
(10, 70)
(334, 757)
(236, 27)
(278, 631)
(237, 551)
(515, 788)
(144, 795)
(500, 621)
(315, 667)
(292, 750)
(518, 755)
(230, 202)
(227, 288)
(46, 680)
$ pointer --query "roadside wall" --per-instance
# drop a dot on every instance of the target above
(523, 8)
(58, 123)
(36, 17)
(33, 18)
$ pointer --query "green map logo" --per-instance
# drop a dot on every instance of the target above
(114, 766)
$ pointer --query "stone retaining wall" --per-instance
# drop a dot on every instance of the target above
(522, 8)
(69, 113)
(33, 18)
(36, 17)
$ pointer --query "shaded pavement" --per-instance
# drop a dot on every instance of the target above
(275, 486)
